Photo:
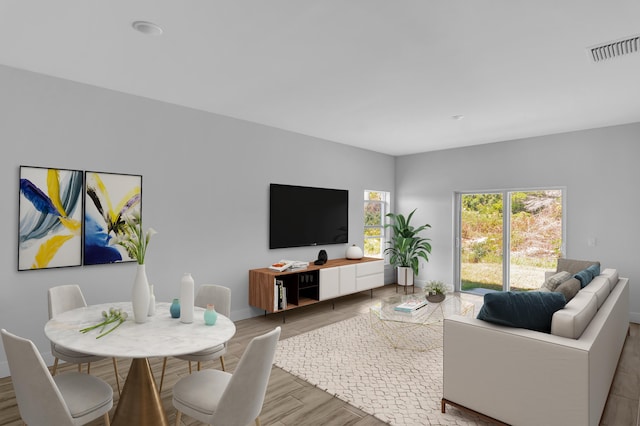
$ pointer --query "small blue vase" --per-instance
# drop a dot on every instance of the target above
(210, 315)
(175, 308)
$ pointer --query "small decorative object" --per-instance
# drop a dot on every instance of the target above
(435, 291)
(114, 315)
(140, 295)
(186, 298)
(210, 315)
(354, 252)
(174, 309)
(152, 302)
(135, 241)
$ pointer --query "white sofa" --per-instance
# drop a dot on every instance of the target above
(524, 377)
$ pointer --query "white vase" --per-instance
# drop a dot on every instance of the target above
(152, 302)
(186, 298)
(140, 295)
(354, 252)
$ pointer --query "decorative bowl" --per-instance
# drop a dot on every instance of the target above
(436, 298)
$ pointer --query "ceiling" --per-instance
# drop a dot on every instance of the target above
(384, 75)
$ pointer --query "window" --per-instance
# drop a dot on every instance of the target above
(506, 240)
(376, 206)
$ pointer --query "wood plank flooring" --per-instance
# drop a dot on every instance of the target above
(291, 401)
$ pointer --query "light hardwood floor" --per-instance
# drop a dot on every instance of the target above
(291, 401)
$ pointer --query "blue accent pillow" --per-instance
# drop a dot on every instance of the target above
(587, 275)
(524, 309)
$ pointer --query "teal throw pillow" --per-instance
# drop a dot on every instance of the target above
(587, 275)
(524, 309)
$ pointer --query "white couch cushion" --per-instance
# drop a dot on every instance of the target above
(612, 276)
(600, 287)
(572, 320)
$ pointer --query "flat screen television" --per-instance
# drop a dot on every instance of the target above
(306, 216)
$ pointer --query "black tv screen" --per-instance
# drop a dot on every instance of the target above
(305, 216)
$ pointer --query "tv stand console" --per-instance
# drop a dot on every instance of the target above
(337, 277)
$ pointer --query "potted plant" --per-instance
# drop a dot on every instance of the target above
(436, 291)
(407, 247)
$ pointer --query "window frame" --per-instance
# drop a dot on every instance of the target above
(384, 203)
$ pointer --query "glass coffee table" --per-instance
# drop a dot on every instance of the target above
(420, 330)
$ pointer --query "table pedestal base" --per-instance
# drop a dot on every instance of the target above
(140, 402)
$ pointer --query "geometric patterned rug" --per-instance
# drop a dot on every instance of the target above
(353, 363)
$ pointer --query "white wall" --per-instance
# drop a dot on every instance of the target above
(598, 168)
(205, 189)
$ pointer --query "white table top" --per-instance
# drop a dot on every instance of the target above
(160, 336)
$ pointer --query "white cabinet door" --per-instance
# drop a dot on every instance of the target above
(347, 279)
(369, 275)
(329, 283)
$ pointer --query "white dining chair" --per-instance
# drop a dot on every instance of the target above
(70, 398)
(220, 297)
(219, 398)
(63, 298)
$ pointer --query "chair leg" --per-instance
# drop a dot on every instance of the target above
(88, 368)
(178, 417)
(55, 367)
(257, 421)
(189, 367)
(107, 422)
(198, 365)
(164, 367)
(115, 370)
(222, 363)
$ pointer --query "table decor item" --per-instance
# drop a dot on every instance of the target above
(152, 302)
(210, 315)
(435, 291)
(140, 295)
(174, 309)
(114, 315)
(135, 241)
(354, 252)
(186, 298)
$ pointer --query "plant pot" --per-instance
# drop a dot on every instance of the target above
(405, 276)
(436, 298)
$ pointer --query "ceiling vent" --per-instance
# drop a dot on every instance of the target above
(614, 49)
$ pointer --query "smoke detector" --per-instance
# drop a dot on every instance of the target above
(614, 49)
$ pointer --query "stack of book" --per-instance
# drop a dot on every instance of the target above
(279, 295)
(411, 305)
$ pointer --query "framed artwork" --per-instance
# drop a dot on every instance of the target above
(110, 198)
(50, 218)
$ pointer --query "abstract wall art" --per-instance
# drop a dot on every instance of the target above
(110, 199)
(50, 218)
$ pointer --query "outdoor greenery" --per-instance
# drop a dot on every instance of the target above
(536, 238)
(373, 222)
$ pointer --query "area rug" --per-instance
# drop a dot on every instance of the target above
(350, 361)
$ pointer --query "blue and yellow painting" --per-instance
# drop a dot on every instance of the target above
(50, 227)
(109, 199)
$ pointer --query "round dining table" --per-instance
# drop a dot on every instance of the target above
(160, 336)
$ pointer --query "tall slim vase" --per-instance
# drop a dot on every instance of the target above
(140, 295)
(186, 298)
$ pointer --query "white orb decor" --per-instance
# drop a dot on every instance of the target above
(354, 252)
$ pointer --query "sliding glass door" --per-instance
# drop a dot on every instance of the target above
(506, 240)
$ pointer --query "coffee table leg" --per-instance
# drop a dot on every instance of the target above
(140, 402)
